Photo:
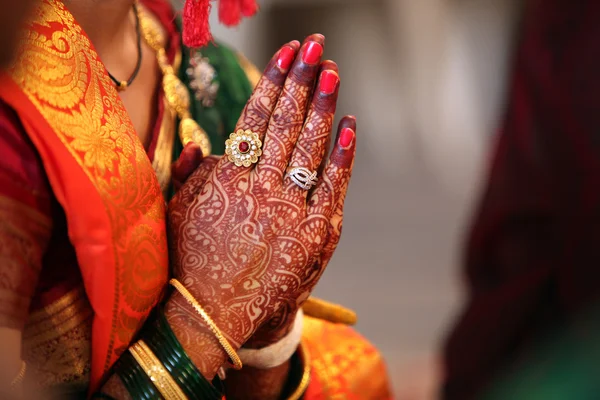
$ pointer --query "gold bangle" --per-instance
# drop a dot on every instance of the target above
(305, 381)
(235, 359)
(327, 311)
(16, 383)
(160, 377)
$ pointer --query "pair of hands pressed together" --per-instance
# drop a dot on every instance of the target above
(247, 242)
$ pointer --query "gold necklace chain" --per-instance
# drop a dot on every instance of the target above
(176, 93)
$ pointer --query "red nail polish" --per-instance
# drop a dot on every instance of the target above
(346, 138)
(328, 82)
(312, 53)
(286, 56)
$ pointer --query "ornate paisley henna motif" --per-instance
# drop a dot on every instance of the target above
(246, 244)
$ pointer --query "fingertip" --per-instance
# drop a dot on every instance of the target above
(192, 151)
(189, 159)
(315, 37)
(285, 57)
(331, 65)
(328, 82)
(349, 121)
(346, 138)
(295, 44)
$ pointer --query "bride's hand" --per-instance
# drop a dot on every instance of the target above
(247, 241)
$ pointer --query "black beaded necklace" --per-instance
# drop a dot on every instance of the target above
(122, 85)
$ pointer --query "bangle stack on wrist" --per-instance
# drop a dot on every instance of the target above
(157, 367)
(234, 358)
(135, 380)
(161, 339)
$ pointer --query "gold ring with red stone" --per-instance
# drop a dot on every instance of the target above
(243, 147)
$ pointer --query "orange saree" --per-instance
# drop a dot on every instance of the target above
(108, 215)
(99, 173)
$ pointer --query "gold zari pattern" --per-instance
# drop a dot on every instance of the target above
(56, 340)
(157, 373)
(64, 79)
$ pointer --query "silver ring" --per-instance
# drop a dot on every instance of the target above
(303, 177)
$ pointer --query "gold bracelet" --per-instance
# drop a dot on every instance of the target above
(327, 311)
(16, 383)
(305, 381)
(160, 377)
(235, 359)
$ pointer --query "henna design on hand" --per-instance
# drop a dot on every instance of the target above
(246, 243)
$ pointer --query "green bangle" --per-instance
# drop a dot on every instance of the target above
(164, 344)
(135, 379)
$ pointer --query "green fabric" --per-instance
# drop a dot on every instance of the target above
(234, 91)
(564, 366)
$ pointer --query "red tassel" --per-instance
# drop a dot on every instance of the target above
(196, 27)
(230, 12)
(249, 8)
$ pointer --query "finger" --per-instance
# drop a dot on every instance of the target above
(189, 159)
(260, 106)
(289, 115)
(312, 144)
(334, 182)
(328, 64)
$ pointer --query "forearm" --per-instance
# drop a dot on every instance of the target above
(194, 338)
(200, 344)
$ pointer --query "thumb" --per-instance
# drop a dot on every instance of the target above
(189, 160)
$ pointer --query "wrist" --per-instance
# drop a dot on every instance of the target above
(274, 330)
(277, 353)
(195, 336)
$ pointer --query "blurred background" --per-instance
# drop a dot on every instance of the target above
(426, 80)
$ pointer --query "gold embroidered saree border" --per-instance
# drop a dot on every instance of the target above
(57, 341)
(78, 113)
(56, 319)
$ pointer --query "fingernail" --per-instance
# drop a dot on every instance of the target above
(346, 138)
(312, 53)
(286, 56)
(328, 81)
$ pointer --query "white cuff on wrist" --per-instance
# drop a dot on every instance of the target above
(277, 353)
